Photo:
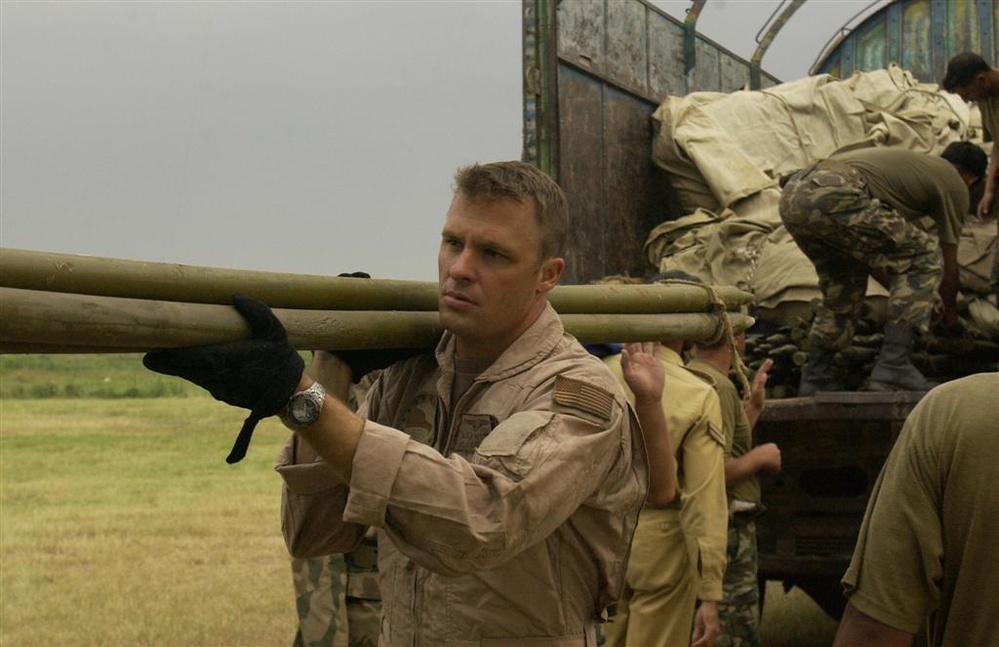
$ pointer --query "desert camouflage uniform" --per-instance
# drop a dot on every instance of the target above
(514, 527)
(336, 596)
(845, 232)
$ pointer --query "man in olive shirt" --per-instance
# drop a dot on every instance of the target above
(738, 611)
(926, 548)
(974, 80)
(855, 215)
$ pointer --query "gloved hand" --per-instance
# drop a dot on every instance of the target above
(258, 374)
(362, 362)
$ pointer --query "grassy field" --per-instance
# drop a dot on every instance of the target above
(121, 524)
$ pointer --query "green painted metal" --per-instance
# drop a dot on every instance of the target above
(690, 35)
(918, 35)
(773, 27)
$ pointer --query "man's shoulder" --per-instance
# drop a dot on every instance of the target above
(705, 372)
(577, 380)
(696, 379)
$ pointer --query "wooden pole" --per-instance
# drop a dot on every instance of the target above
(110, 277)
(38, 321)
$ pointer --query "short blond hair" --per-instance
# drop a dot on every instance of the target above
(523, 183)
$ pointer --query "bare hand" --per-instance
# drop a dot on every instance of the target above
(758, 392)
(706, 625)
(768, 458)
(985, 204)
(643, 371)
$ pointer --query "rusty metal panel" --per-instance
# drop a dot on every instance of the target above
(607, 173)
(595, 70)
(733, 73)
(582, 32)
(919, 35)
(630, 172)
(627, 45)
(872, 48)
(581, 170)
(915, 40)
(666, 76)
(705, 74)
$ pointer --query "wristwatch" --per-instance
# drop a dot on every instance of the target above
(304, 406)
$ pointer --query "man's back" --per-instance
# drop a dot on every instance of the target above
(697, 435)
(927, 544)
(915, 184)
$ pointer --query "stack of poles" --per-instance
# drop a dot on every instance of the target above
(63, 303)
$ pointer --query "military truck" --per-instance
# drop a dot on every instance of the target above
(594, 72)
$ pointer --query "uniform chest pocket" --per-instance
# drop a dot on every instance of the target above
(515, 445)
(472, 430)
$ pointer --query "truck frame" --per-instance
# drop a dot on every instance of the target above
(594, 72)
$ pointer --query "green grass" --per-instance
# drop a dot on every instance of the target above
(121, 524)
(86, 376)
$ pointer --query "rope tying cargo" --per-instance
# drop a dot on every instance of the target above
(724, 331)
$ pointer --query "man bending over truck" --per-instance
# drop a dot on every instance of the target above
(854, 215)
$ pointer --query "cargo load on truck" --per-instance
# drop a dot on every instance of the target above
(724, 155)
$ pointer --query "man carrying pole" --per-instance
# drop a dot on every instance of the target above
(509, 514)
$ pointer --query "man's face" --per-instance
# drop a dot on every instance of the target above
(492, 285)
(974, 90)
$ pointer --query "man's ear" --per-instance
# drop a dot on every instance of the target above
(551, 272)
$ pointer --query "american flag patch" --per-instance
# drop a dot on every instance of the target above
(577, 394)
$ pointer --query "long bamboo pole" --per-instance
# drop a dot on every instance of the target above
(38, 321)
(111, 277)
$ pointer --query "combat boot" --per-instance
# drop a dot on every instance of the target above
(893, 369)
(819, 373)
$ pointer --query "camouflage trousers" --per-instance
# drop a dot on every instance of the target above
(739, 609)
(337, 599)
(847, 235)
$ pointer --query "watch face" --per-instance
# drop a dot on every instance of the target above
(304, 410)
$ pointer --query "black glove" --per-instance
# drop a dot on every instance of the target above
(603, 350)
(258, 374)
(362, 362)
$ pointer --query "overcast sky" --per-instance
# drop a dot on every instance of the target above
(313, 137)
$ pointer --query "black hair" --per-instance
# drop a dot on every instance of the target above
(962, 69)
(967, 157)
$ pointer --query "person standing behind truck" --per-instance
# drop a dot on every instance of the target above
(739, 610)
(925, 555)
(678, 552)
(970, 77)
(852, 215)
